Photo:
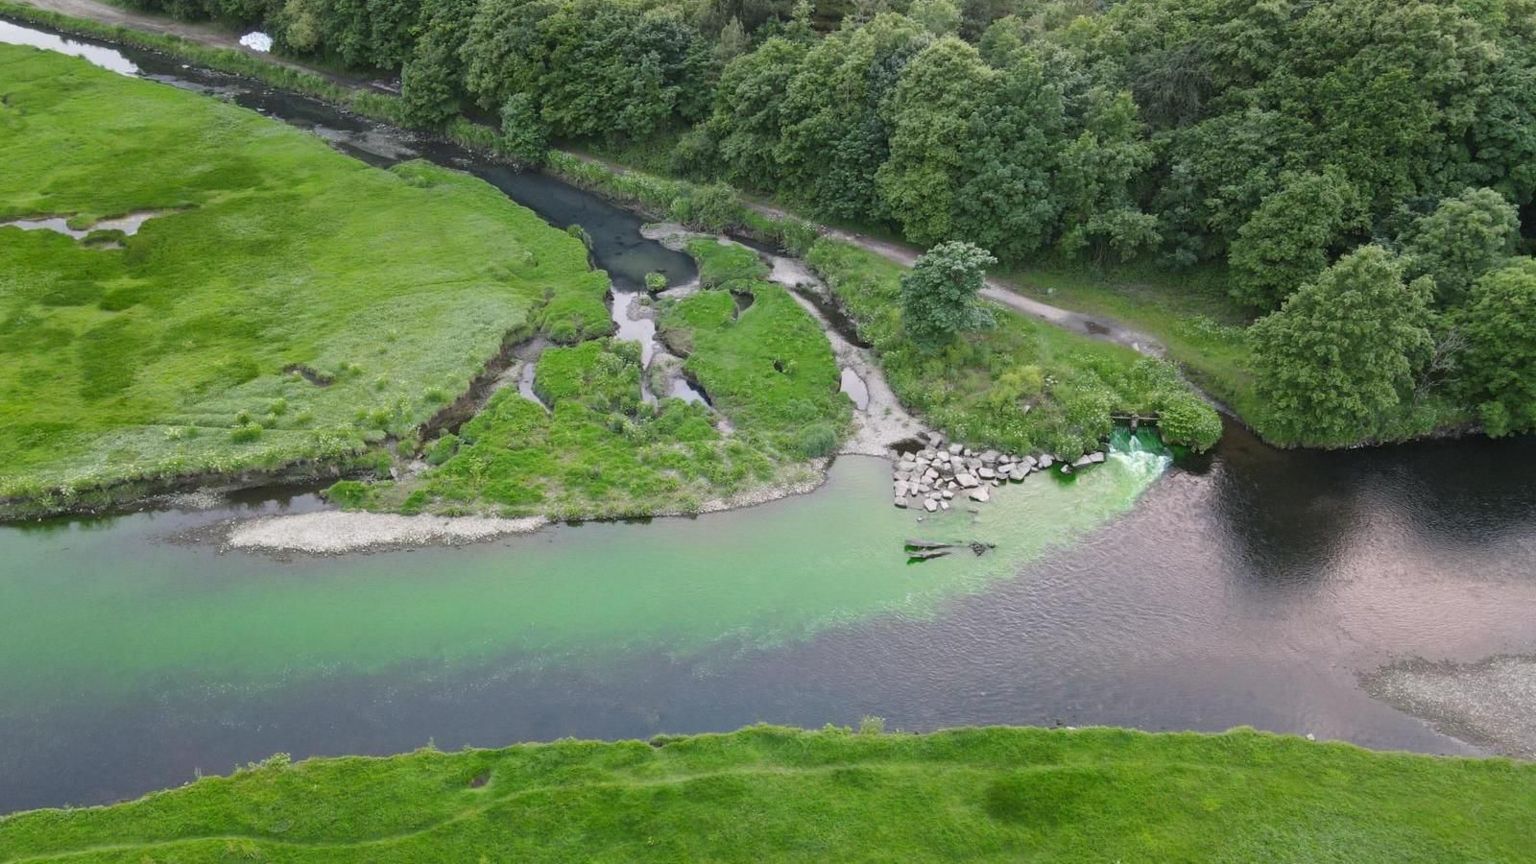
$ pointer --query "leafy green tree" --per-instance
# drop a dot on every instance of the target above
(938, 296)
(1007, 199)
(747, 121)
(835, 132)
(1097, 169)
(1465, 237)
(1498, 364)
(432, 79)
(522, 132)
(732, 41)
(1287, 240)
(933, 117)
(1339, 357)
(940, 17)
(505, 52)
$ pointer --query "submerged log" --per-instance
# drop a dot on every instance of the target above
(927, 554)
(931, 544)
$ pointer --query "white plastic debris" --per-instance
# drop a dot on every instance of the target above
(257, 41)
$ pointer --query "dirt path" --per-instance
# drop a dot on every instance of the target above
(999, 291)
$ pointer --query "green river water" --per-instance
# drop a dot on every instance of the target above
(119, 605)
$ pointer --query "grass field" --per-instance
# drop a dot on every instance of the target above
(171, 356)
(768, 794)
(1067, 384)
(602, 451)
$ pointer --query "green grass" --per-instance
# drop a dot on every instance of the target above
(721, 263)
(1021, 385)
(762, 359)
(769, 794)
(167, 358)
(1189, 314)
(602, 452)
(599, 453)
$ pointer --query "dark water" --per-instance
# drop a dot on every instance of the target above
(1248, 587)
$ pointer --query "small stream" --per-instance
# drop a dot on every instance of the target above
(1251, 586)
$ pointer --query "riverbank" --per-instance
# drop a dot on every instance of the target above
(967, 794)
(618, 450)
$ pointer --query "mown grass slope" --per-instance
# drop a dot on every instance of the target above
(168, 357)
(768, 794)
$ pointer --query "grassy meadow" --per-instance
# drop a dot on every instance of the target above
(601, 450)
(287, 304)
(783, 795)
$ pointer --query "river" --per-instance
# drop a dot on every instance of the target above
(1251, 586)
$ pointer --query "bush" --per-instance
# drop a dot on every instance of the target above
(351, 494)
(245, 433)
(817, 440)
(710, 208)
(1187, 421)
(655, 282)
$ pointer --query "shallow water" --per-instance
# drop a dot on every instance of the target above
(856, 389)
(1248, 587)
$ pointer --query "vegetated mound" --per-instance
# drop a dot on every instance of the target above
(602, 449)
(774, 794)
(1020, 385)
(171, 357)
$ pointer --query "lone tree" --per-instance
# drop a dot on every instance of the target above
(1338, 358)
(938, 298)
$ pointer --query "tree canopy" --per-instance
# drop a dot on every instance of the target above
(938, 296)
(1339, 357)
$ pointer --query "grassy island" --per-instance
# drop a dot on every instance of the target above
(783, 795)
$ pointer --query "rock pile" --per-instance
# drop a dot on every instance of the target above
(933, 475)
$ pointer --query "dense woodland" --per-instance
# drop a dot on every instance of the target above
(1358, 169)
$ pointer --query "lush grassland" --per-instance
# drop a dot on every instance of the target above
(768, 366)
(168, 357)
(1023, 384)
(772, 794)
(602, 451)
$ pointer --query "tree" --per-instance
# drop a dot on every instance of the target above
(747, 121)
(1465, 237)
(938, 296)
(522, 132)
(932, 119)
(1338, 358)
(1498, 364)
(1099, 213)
(835, 131)
(1287, 240)
(940, 17)
(431, 80)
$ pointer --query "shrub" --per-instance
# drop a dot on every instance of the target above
(245, 433)
(817, 440)
(1187, 421)
(350, 494)
(655, 281)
